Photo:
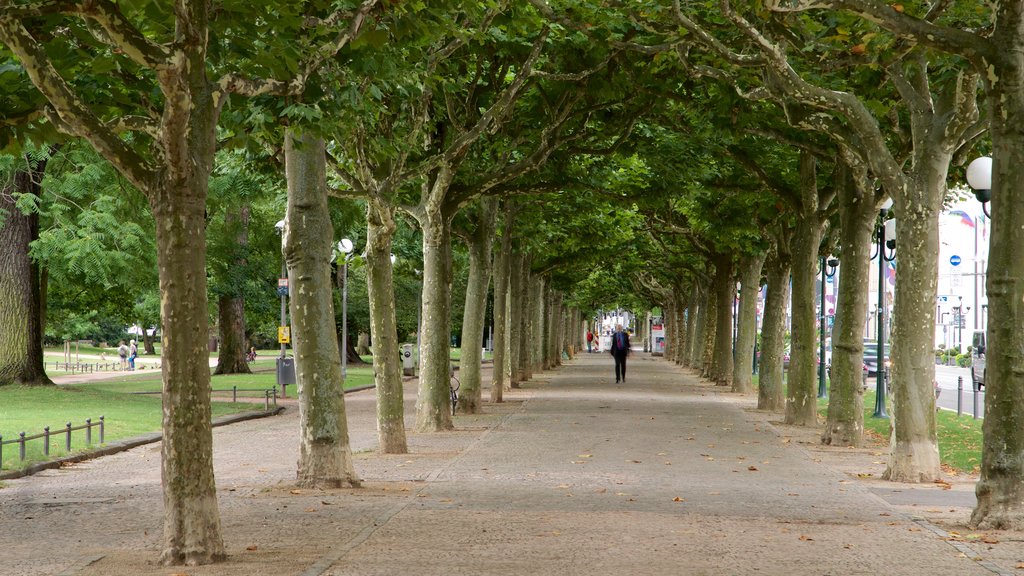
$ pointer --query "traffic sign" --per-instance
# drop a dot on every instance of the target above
(954, 260)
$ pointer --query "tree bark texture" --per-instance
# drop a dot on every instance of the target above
(518, 299)
(1000, 490)
(857, 214)
(502, 317)
(475, 308)
(325, 457)
(770, 390)
(801, 389)
(387, 372)
(725, 298)
(709, 324)
(232, 348)
(21, 315)
(538, 302)
(694, 331)
(433, 402)
(746, 331)
(521, 284)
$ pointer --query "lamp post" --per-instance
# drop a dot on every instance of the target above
(828, 270)
(344, 247)
(886, 237)
(282, 286)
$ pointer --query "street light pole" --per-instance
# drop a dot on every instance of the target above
(828, 270)
(345, 247)
(880, 374)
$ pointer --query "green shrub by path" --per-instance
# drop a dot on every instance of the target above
(960, 437)
(30, 409)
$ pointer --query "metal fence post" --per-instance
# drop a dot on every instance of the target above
(959, 395)
(101, 428)
(46, 440)
(234, 393)
(976, 403)
(21, 445)
(67, 437)
(274, 390)
(88, 431)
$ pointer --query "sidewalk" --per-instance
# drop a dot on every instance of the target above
(574, 475)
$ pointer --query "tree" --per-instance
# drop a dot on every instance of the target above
(21, 314)
(169, 157)
(991, 52)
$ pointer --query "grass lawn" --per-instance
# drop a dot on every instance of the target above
(30, 409)
(959, 436)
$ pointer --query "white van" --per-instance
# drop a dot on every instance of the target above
(978, 359)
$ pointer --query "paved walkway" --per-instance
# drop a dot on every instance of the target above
(574, 475)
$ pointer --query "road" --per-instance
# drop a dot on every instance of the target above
(946, 376)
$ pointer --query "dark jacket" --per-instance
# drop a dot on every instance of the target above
(615, 348)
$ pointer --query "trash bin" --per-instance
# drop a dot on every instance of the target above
(285, 371)
(408, 361)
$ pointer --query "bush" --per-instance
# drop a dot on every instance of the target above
(963, 360)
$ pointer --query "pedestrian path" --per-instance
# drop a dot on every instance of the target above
(575, 474)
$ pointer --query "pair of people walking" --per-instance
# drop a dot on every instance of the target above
(620, 349)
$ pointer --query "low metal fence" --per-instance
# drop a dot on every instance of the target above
(22, 438)
(269, 394)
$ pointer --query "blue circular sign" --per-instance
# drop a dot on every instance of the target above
(954, 260)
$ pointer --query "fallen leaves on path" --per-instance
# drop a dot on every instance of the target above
(806, 538)
(752, 468)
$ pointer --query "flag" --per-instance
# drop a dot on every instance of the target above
(965, 218)
(890, 273)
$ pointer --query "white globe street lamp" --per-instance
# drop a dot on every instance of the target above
(979, 177)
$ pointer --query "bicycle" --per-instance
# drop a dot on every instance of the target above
(454, 390)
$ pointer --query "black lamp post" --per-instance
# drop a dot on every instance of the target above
(828, 270)
(886, 237)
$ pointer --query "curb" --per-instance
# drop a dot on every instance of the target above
(127, 444)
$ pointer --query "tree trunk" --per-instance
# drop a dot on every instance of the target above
(538, 300)
(387, 372)
(475, 309)
(192, 531)
(857, 214)
(325, 457)
(231, 327)
(709, 324)
(914, 448)
(725, 297)
(21, 315)
(770, 391)
(746, 333)
(363, 343)
(522, 293)
(801, 389)
(502, 321)
(433, 403)
(1000, 490)
(231, 308)
(695, 313)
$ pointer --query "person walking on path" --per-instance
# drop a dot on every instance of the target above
(620, 349)
(590, 341)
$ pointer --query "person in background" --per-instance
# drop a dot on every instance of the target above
(133, 352)
(122, 353)
(590, 341)
(620, 348)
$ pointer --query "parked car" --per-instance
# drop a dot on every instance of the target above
(871, 356)
(978, 359)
